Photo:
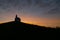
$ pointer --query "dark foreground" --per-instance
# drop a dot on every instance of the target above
(19, 29)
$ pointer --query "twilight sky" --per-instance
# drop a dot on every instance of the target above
(39, 12)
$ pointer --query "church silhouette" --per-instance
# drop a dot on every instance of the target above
(17, 19)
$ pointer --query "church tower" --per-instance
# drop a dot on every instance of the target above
(17, 19)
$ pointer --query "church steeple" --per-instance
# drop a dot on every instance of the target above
(17, 19)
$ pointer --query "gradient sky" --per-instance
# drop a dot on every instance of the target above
(39, 12)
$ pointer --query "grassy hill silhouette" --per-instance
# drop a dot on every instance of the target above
(17, 27)
(20, 27)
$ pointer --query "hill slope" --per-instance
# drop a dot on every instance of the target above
(20, 27)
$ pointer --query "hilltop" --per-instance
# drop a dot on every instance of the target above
(17, 27)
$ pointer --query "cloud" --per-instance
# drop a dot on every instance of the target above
(51, 6)
(1, 18)
(54, 11)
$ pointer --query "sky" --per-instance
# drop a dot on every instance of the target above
(38, 12)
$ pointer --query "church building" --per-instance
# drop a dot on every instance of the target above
(17, 19)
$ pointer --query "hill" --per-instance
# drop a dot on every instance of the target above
(19, 30)
(20, 27)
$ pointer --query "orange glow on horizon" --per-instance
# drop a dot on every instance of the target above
(36, 21)
(41, 21)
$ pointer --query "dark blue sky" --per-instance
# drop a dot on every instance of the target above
(41, 9)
